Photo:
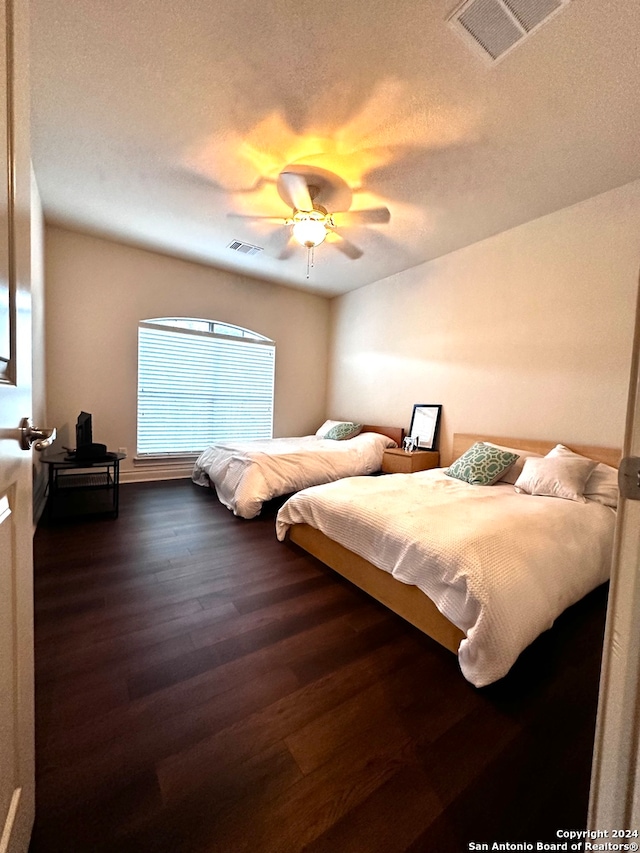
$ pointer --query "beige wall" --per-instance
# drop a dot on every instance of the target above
(527, 333)
(98, 290)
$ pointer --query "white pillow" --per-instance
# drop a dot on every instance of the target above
(555, 477)
(513, 472)
(602, 485)
(326, 426)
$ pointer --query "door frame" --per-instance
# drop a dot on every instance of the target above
(614, 799)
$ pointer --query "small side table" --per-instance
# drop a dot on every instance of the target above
(79, 488)
(398, 461)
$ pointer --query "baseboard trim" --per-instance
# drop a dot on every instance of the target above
(148, 475)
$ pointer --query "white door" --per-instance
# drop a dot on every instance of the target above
(615, 781)
(16, 535)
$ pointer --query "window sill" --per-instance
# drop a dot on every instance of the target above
(165, 461)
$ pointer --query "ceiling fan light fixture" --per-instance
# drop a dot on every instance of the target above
(309, 227)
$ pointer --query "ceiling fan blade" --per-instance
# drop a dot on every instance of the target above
(297, 191)
(342, 245)
(281, 244)
(360, 217)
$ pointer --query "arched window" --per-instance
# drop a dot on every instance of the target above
(201, 381)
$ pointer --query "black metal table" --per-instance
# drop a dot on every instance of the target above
(80, 487)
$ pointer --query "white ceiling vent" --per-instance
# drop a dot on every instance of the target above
(244, 248)
(495, 27)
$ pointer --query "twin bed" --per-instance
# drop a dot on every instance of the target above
(246, 474)
(482, 569)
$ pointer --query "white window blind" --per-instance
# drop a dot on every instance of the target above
(196, 387)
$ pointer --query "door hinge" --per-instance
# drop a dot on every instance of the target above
(629, 478)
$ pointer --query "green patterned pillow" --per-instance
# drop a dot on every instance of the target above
(343, 430)
(482, 464)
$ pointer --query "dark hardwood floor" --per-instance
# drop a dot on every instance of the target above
(202, 687)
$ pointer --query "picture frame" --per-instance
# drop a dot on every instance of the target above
(425, 425)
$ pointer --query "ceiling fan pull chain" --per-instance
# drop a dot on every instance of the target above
(310, 258)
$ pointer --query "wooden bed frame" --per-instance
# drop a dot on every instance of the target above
(408, 601)
(395, 433)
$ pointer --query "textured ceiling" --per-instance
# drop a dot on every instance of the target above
(154, 120)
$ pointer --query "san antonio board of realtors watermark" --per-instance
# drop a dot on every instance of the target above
(600, 840)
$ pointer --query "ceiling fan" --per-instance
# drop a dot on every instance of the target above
(319, 202)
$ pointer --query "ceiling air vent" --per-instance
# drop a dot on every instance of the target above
(495, 27)
(245, 248)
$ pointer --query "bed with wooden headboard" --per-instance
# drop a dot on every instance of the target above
(403, 598)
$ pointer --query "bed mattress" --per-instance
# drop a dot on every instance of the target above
(245, 474)
(499, 565)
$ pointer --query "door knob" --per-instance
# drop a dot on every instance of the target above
(39, 438)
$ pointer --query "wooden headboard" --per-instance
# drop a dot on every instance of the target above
(608, 455)
(395, 433)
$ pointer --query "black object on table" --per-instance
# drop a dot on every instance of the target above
(80, 487)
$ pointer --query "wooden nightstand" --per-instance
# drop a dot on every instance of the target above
(398, 461)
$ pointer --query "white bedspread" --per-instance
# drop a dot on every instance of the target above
(247, 473)
(498, 564)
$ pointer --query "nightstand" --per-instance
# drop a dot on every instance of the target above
(398, 461)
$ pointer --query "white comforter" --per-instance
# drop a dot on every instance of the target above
(498, 564)
(247, 473)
